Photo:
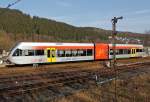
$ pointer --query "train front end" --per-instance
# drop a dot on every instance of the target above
(10, 59)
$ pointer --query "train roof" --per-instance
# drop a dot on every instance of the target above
(69, 44)
(128, 45)
(53, 44)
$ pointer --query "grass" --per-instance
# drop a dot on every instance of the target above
(136, 89)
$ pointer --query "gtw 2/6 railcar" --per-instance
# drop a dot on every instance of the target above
(36, 53)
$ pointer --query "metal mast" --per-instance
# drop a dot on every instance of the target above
(114, 33)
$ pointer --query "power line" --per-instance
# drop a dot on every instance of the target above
(11, 4)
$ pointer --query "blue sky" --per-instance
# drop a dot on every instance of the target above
(94, 13)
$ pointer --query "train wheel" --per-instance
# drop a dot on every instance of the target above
(35, 65)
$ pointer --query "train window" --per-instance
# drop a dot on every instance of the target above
(39, 52)
(84, 53)
(61, 53)
(53, 53)
(125, 51)
(25, 52)
(129, 51)
(74, 53)
(141, 50)
(117, 52)
(30, 53)
(111, 52)
(58, 53)
(68, 53)
(120, 51)
(137, 50)
(17, 52)
(80, 52)
(48, 53)
(89, 52)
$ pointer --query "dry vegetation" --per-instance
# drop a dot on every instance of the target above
(133, 60)
(62, 67)
(136, 89)
(50, 68)
(8, 40)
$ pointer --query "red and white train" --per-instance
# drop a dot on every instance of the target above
(36, 53)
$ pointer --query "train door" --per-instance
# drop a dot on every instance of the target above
(51, 54)
(133, 52)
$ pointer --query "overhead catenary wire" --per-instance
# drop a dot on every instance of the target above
(10, 5)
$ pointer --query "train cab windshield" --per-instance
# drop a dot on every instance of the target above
(17, 52)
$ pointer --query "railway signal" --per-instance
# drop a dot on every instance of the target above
(114, 33)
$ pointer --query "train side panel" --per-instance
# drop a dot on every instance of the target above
(126, 51)
(101, 51)
(30, 53)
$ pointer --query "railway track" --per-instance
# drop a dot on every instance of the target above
(14, 85)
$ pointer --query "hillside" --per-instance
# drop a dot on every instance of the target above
(15, 26)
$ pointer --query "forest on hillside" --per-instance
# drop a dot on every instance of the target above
(16, 26)
(19, 26)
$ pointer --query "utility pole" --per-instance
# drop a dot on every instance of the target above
(114, 33)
